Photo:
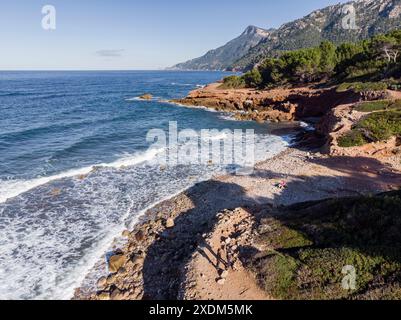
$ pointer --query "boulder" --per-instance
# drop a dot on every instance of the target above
(126, 234)
(117, 294)
(146, 96)
(248, 104)
(116, 262)
(139, 236)
(103, 296)
(224, 274)
(102, 283)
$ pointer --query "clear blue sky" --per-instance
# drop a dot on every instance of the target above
(132, 34)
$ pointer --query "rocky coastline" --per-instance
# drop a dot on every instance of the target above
(282, 104)
(197, 244)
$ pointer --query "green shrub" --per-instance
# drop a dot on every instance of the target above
(381, 125)
(358, 87)
(379, 105)
(351, 139)
(253, 78)
(233, 82)
(344, 87)
(362, 232)
(377, 126)
(370, 106)
(369, 86)
(395, 105)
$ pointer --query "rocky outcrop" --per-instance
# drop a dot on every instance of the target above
(146, 96)
(340, 120)
(116, 262)
(268, 105)
(374, 95)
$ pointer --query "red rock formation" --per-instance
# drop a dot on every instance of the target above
(262, 105)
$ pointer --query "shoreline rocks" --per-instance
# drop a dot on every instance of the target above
(277, 105)
(146, 96)
(115, 262)
(152, 263)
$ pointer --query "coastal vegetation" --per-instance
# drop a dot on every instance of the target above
(233, 82)
(359, 66)
(376, 126)
(313, 246)
(358, 87)
(367, 68)
(378, 105)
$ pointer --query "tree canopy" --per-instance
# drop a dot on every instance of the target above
(369, 60)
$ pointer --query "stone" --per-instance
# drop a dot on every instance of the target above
(116, 262)
(103, 296)
(111, 278)
(117, 294)
(170, 223)
(221, 281)
(138, 259)
(121, 271)
(224, 274)
(248, 104)
(126, 234)
(102, 283)
(146, 96)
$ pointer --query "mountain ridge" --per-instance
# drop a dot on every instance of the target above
(371, 17)
(221, 58)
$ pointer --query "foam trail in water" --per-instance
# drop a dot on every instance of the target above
(13, 188)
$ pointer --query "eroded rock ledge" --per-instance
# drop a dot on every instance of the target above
(268, 105)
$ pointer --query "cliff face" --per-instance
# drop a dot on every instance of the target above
(371, 17)
(280, 104)
(221, 58)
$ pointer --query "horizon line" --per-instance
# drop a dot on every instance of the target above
(97, 70)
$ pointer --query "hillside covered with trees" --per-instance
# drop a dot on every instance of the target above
(376, 59)
(372, 17)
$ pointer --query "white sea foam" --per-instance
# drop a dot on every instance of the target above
(218, 136)
(52, 255)
(142, 99)
(12, 188)
(190, 106)
(306, 126)
(133, 99)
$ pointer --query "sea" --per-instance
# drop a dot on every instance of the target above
(77, 167)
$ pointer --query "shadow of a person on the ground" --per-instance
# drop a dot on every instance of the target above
(168, 255)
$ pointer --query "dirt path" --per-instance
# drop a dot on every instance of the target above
(215, 271)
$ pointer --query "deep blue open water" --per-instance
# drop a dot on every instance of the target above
(57, 213)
